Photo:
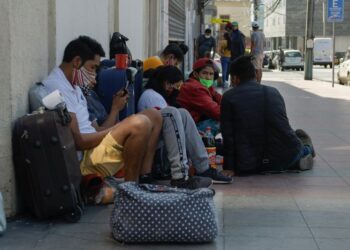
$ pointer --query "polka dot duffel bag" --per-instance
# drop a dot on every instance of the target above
(155, 213)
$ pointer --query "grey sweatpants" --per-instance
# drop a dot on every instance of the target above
(182, 142)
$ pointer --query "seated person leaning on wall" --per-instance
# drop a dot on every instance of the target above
(105, 147)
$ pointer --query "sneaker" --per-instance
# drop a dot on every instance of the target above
(146, 179)
(306, 163)
(193, 182)
(216, 176)
(306, 140)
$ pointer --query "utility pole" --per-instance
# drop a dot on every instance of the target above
(324, 17)
(309, 40)
(201, 6)
(256, 9)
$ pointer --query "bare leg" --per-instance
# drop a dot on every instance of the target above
(133, 133)
(156, 126)
(258, 75)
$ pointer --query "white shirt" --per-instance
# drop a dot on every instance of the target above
(151, 99)
(73, 97)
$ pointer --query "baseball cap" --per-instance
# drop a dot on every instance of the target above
(235, 24)
(202, 62)
(255, 24)
(151, 63)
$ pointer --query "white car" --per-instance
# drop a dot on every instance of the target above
(293, 59)
(344, 70)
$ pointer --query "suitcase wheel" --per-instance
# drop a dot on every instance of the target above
(74, 216)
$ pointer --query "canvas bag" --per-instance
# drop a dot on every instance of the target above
(2, 216)
(155, 213)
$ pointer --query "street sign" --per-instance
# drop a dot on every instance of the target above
(335, 10)
(219, 20)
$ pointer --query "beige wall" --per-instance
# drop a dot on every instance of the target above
(25, 56)
(239, 11)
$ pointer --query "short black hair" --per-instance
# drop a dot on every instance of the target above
(174, 49)
(207, 31)
(84, 47)
(243, 68)
(168, 73)
(184, 48)
(94, 46)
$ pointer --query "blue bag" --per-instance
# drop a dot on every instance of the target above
(109, 82)
(155, 213)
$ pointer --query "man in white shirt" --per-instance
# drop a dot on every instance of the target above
(132, 141)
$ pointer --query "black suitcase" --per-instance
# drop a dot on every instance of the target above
(46, 164)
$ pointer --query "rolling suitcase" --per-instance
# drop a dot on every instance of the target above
(46, 164)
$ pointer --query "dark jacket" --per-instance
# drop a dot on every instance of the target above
(237, 44)
(242, 126)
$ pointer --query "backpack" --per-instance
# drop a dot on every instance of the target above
(117, 45)
(36, 93)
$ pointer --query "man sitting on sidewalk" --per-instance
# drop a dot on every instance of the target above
(132, 141)
(256, 131)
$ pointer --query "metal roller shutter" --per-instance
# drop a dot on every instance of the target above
(177, 20)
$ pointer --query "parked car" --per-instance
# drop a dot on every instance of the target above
(344, 70)
(293, 59)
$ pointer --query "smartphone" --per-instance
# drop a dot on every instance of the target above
(125, 92)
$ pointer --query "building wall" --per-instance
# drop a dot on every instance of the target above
(131, 25)
(293, 14)
(239, 11)
(24, 43)
(296, 13)
(81, 17)
(275, 22)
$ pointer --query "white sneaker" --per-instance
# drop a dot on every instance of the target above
(306, 163)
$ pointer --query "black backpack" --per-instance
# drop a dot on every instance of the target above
(117, 45)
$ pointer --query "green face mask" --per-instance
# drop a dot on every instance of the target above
(206, 83)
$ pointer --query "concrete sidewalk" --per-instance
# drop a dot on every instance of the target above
(309, 210)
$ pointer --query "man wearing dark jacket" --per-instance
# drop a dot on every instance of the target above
(237, 42)
(256, 131)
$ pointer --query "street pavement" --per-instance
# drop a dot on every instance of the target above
(319, 73)
(308, 210)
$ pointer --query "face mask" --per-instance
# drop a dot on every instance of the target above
(206, 83)
(207, 36)
(84, 78)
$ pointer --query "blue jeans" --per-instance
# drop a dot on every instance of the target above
(225, 62)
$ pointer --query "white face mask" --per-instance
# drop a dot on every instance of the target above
(207, 36)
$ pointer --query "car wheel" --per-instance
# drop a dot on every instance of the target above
(330, 65)
(281, 68)
(325, 66)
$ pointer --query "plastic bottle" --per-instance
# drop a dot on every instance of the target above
(209, 142)
(208, 138)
